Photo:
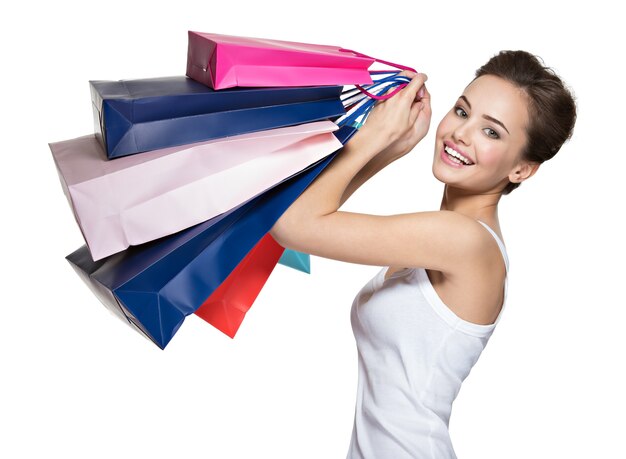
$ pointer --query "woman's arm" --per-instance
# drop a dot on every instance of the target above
(373, 167)
(395, 117)
(393, 152)
(312, 224)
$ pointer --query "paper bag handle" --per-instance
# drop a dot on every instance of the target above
(398, 66)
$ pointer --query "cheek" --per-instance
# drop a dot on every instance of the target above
(490, 156)
(444, 126)
(494, 157)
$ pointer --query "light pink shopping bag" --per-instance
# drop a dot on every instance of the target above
(225, 61)
(135, 199)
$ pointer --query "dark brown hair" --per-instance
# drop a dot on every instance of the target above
(551, 105)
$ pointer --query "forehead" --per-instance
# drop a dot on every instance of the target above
(496, 97)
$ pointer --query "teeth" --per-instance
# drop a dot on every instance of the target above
(457, 155)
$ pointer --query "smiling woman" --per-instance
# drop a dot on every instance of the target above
(421, 326)
(490, 133)
(551, 107)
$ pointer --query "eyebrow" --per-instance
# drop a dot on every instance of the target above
(487, 117)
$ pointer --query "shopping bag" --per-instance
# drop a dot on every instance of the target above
(296, 260)
(225, 61)
(154, 286)
(227, 306)
(133, 116)
(139, 198)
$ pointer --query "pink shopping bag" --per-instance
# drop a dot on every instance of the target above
(225, 61)
(139, 198)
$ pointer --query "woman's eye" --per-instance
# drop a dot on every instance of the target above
(491, 133)
(459, 111)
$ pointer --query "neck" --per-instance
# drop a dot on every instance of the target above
(476, 206)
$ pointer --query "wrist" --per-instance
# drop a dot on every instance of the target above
(371, 141)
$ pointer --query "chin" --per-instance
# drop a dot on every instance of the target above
(446, 176)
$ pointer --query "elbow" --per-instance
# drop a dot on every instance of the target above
(277, 233)
(296, 231)
(282, 231)
(290, 232)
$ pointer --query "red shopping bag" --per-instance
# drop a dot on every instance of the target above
(226, 308)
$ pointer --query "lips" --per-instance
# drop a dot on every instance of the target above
(454, 156)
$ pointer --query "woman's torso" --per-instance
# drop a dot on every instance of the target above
(414, 352)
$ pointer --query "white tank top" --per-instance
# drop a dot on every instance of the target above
(414, 353)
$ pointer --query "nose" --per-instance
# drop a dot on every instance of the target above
(461, 133)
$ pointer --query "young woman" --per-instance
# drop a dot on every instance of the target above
(422, 322)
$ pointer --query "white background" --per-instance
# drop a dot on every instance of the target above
(78, 383)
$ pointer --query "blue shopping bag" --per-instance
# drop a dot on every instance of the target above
(296, 260)
(133, 116)
(154, 286)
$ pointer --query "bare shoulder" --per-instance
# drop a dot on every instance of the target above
(474, 290)
(473, 243)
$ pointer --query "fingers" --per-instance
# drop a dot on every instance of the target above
(407, 111)
(407, 73)
(417, 82)
(420, 77)
(426, 99)
(420, 105)
(423, 96)
(416, 108)
(423, 93)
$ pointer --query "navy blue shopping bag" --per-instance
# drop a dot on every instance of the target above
(133, 116)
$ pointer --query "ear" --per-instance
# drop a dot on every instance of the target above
(523, 171)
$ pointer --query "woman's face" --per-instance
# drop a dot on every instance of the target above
(487, 127)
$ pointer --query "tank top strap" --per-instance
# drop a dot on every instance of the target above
(500, 244)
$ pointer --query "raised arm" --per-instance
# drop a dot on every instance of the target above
(394, 151)
(313, 224)
(390, 121)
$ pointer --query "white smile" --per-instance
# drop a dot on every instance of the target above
(456, 156)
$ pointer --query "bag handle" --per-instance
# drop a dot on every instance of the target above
(383, 97)
(362, 107)
(395, 80)
(398, 66)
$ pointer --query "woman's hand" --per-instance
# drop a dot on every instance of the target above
(400, 122)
